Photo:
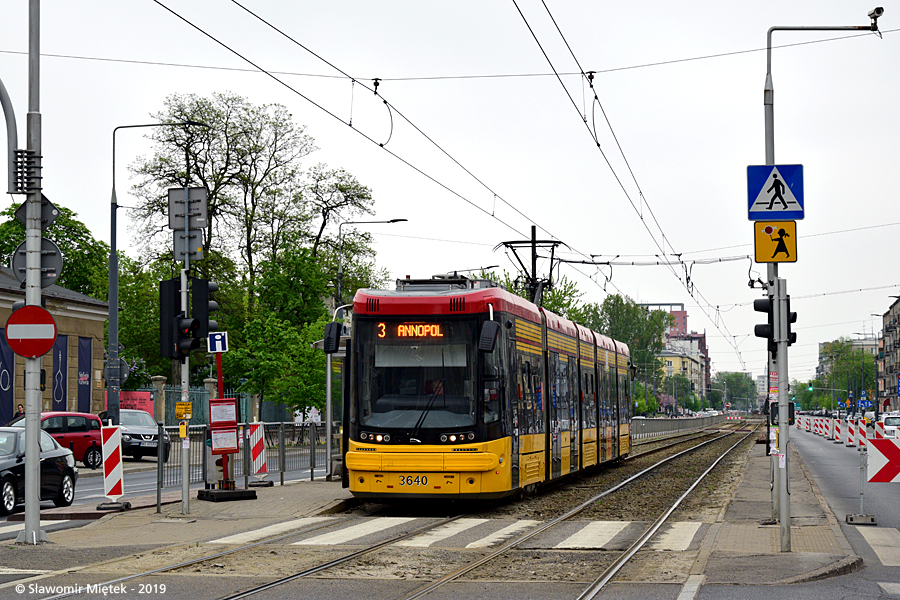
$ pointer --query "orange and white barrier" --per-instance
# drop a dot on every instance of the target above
(851, 434)
(258, 448)
(837, 431)
(861, 434)
(113, 486)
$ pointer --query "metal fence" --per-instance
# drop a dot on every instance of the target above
(642, 429)
(289, 446)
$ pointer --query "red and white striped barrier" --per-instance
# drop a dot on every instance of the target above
(113, 486)
(258, 448)
(829, 429)
(733, 418)
(837, 431)
(879, 430)
(861, 434)
(851, 434)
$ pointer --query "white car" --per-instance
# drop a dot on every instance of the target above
(891, 422)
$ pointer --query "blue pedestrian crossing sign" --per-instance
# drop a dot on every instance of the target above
(217, 341)
(775, 192)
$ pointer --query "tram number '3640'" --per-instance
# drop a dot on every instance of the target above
(410, 480)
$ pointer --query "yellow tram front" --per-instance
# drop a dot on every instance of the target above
(425, 401)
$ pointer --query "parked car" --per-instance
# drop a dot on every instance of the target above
(140, 433)
(891, 423)
(58, 470)
(79, 432)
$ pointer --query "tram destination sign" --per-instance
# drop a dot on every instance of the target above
(409, 330)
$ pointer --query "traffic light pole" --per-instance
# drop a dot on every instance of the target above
(185, 362)
(781, 340)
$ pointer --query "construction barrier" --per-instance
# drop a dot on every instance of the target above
(829, 429)
(861, 434)
(851, 434)
(879, 430)
(258, 448)
(113, 487)
(837, 431)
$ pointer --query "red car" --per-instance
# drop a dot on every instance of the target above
(79, 432)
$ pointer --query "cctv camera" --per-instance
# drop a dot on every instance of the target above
(876, 12)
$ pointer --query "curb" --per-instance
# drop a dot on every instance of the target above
(845, 566)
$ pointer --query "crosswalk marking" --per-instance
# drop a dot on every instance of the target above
(595, 534)
(885, 541)
(258, 534)
(673, 537)
(504, 534)
(677, 538)
(441, 533)
(355, 532)
(890, 588)
(20, 526)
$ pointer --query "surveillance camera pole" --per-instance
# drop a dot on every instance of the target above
(780, 307)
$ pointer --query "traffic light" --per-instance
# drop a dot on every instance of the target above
(169, 307)
(792, 318)
(186, 338)
(810, 388)
(201, 305)
(768, 330)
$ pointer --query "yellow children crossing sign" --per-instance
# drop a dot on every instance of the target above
(775, 241)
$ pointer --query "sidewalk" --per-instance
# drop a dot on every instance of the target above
(744, 545)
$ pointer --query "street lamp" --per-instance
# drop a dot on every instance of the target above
(780, 484)
(113, 375)
(340, 310)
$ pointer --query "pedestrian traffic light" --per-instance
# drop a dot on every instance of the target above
(169, 307)
(201, 305)
(768, 330)
(186, 338)
(792, 318)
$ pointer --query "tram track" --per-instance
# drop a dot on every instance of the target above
(349, 557)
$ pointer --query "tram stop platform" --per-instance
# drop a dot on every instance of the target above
(744, 545)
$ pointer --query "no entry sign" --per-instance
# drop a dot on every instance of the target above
(31, 331)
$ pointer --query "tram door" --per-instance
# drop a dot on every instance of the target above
(558, 411)
(574, 416)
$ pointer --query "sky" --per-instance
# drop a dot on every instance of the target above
(493, 130)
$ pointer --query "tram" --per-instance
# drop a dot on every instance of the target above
(459, 389)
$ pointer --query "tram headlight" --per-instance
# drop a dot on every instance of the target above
(471, 436)
(378, 438)
(364, 436)
(452, 438)
(443, 437)
(387, 437)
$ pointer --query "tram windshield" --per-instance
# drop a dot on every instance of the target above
(416, 374)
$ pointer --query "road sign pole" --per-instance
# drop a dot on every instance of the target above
(32, 533)
(781, 340)
(185, 370)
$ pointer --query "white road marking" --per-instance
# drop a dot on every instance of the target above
(594, 535)
(20, 526)
(504, 534)
(885, 542)
(349, 534)
(258, 534)
(890, 588)
(441, 533)
(676, 538)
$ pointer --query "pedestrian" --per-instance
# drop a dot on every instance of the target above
(20, 412)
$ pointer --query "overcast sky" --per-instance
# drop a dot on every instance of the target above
(681, 84)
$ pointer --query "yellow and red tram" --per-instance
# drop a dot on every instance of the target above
(459, 389)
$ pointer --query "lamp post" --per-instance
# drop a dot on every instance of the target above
(340, 310)
(781, 482)
(113, 375)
